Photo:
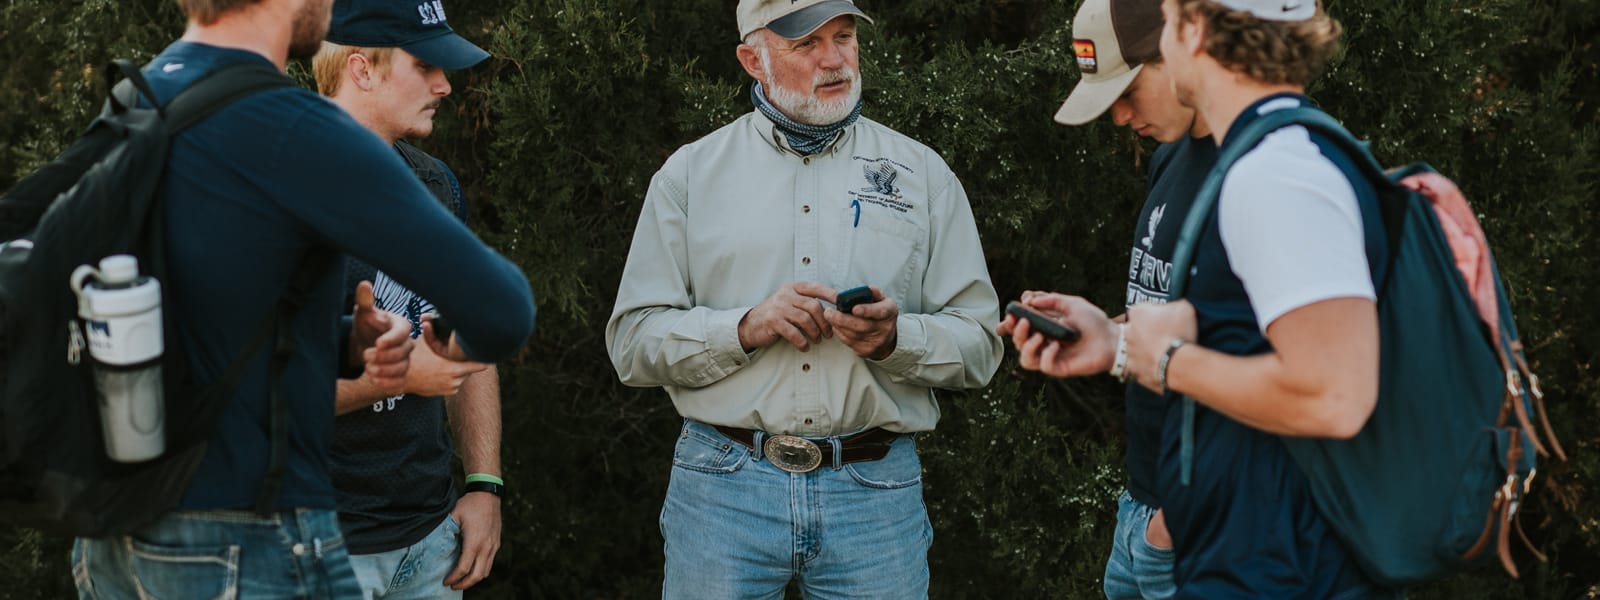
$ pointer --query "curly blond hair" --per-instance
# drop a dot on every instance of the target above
(1268, 51)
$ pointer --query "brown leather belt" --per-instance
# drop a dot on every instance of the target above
(801, 455)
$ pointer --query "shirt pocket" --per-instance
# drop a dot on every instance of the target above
(886, 249)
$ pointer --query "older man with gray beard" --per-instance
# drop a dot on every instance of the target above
(795, 460)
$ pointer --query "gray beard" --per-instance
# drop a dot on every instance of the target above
(808, 108)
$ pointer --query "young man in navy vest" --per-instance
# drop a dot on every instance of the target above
(247, 193)
(1116, 44)
(409, 536)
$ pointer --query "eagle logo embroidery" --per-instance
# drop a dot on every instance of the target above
(1155, 221)
(881, 175)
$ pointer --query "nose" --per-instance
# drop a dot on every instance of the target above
(1121, 112)
(832, 55)
(441, 84)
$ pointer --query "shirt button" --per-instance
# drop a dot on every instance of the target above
(298, 549)
(806, 208)
(806, 160)
(805, 260)
(807, 368)
(808, 421)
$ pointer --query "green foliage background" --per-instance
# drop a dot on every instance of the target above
(557, 137)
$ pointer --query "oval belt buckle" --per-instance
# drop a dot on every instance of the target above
(792, 454)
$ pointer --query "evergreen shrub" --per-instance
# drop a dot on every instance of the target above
(557, 137)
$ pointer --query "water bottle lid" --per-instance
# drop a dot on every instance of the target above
(119, 268)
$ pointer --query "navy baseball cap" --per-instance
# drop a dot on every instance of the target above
(416, 26)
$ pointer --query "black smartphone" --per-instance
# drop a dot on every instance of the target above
(441, 328)
(1042, 323)
(848, 299)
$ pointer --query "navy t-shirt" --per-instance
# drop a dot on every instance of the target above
(247, 192)
(1247, 526)
(1176, 172)
(391, 460)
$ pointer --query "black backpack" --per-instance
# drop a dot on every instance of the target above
(102, 197)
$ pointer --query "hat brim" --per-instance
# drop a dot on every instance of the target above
(801, 23)
(1091, 98)
(447, 51)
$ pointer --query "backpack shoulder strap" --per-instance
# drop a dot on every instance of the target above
(207, 95)
(219, 89)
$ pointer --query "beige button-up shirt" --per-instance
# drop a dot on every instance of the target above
(735, 215)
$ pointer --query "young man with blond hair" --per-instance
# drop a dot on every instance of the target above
(246, 194)
(409, 535)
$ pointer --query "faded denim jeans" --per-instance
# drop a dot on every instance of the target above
(415, 572)
(219, 554)
(737, 527)
(1137, 569)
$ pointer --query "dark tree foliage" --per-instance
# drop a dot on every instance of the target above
(557, 137)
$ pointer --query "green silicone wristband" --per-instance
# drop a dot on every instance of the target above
(475, 477)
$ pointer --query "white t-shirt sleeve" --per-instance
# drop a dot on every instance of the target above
(1292, 227)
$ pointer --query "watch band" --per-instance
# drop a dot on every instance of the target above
(1161, 366)
(497, 489)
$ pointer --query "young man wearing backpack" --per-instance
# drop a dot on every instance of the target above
(247, 193)
(392, 453)
(1116, 43)
(1277, 334)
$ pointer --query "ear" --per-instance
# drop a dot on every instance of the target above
(359, 71)
(1192, 35)
(750, 59)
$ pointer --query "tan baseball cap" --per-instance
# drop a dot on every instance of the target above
(792, 19)
(1112, 39)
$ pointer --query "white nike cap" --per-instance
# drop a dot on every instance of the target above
(1274, 10)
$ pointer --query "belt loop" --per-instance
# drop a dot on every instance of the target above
(757, 440)
(838, 452)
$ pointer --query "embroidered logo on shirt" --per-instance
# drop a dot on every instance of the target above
(881, 176)
(1155, 221)
(432, 12)
(1084, 50)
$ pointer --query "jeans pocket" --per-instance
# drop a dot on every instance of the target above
(900, 468)
(185, 572)
(701, 452)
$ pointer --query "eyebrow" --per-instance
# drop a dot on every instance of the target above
(813, 35)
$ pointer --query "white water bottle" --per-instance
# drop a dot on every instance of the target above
(122, 312)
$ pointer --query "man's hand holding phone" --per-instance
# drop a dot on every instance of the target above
(1045, 323)
(866, 320)
(1087, 339)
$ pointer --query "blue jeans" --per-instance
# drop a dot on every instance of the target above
(219, 554)
(737, 527)
(1137, 569)
(413, 572)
